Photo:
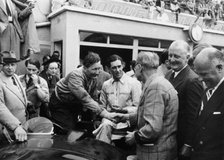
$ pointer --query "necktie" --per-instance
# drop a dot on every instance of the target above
(204, 100)
(172, 77)
(29, 83)
(209, 93)
(14, 81)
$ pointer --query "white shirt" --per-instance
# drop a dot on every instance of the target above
(209, 93)
(176, 73)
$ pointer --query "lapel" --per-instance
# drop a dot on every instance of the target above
(178, 80)
(213, 104)
(14, 89)
(2, 6)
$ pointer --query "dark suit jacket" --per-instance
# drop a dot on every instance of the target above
(189, 90)
(208, 141)
(51, 83)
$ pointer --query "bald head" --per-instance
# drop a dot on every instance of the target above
(198, 48)
(208, 56)
(209, 64)
(178, 52)
(181, 45)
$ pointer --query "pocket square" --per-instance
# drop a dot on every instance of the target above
(216, 112)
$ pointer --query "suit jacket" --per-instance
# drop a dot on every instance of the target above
(51, 83)
(190, 91)
(157, 120)
(209, 129)
(12, 103)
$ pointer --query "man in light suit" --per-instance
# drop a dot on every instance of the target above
(189, 89)
(13, 121)
(208, 141)
(156, 117)
(10, 30)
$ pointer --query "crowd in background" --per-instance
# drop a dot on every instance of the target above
(205, 8)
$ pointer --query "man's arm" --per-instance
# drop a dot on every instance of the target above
(42, 90)
(76, 85)
(152, 115)
(8, 120)
(103, 97)
(6, 117)
(194, 91)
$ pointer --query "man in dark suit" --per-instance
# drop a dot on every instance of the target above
(209, 127)
(189, 89)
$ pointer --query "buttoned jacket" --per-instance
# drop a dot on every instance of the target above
(208, 142)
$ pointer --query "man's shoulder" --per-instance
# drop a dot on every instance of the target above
(77, 71)
(129, 79)
(160, 82)
(108, 82)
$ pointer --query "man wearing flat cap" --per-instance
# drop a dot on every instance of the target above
(13, 102)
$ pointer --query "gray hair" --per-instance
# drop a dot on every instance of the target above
(148, 60)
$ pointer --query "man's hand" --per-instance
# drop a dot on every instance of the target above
(108, 115)
(121, 117)
(119, 110)
(130, 138)
(20, 134)
(35, 79)
(31, 4)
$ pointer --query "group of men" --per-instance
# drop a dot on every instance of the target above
(17, 28)
(174, 116)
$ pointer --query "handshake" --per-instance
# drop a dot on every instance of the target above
(114, 116)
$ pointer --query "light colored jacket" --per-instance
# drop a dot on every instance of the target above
(12, 103)
(157, 120)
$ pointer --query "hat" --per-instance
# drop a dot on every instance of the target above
(52, 59)
(8, 57)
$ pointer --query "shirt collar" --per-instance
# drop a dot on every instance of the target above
(176, 73)
(213, 89)
(122, 79)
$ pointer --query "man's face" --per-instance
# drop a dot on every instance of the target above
(52, 69)
(94, 70)
(9, 69)
(209, 73)
(116, 68)
(31, 69)
(177, 58)
(138, 72)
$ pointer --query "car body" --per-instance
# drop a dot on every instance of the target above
(60, 147)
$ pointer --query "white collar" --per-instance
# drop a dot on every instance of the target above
(176, 73)
(214, 89)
